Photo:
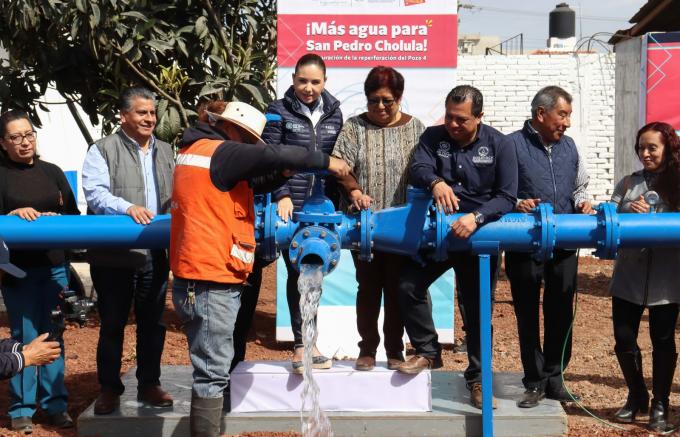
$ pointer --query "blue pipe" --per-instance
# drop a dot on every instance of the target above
(80, 232)
(317, 232)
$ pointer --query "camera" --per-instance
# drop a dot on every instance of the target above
(74, 309)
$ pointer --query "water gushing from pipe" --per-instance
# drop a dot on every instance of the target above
(315, 423)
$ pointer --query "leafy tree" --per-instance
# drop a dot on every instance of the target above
(184, 50)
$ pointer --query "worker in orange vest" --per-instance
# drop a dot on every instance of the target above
(221, 162)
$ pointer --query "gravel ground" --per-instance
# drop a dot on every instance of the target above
(593, 372)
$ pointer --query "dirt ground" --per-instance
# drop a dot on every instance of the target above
(593, 372)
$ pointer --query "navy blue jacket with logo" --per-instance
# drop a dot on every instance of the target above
(550, 177)
(483, 174)
(295, 129)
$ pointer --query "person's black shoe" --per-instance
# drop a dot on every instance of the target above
(60, 420)
(562, 395)
(531, 397)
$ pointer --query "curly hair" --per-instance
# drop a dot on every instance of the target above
(668, 182)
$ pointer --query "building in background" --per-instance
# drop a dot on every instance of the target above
(476, 44)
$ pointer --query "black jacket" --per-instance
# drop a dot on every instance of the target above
(295, 129)
(260, 164)
(11, 358)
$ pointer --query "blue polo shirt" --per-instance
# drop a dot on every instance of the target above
(483, 174)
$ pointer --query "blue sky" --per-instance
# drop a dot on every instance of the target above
(506, 18)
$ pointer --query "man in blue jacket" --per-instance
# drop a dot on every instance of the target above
(469, 168)
(550, 170)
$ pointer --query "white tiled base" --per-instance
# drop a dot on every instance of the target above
(270, 386)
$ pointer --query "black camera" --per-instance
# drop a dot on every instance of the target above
(74, 309)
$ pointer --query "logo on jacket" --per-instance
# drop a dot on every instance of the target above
(444, 150)
(294, 127)
(482, 156)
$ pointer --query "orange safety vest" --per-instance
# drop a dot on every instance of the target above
(212, 234)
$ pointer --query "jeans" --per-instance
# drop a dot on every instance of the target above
(29, 302)
(118, 288)
(208, 312)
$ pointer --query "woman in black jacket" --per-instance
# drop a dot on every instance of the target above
(31, 188)
(310, 117)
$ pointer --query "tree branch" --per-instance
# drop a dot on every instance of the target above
(220, 30)
(174, 100)
(149, 82)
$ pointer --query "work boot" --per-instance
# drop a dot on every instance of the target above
(205, 416)
(663, 368)
(638, 397)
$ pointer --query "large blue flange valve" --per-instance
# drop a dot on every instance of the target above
(315, 245)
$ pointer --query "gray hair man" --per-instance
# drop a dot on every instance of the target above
(130, 173)
(550, 170)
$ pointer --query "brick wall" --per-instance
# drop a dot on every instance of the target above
(510, 82)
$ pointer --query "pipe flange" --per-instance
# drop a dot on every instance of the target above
(315, 245)
(365, 234)
(269, 250)
(546, 219)
(608, 231)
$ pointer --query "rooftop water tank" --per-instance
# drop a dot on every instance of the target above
(562, 22)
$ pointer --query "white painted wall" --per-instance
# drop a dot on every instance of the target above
(60, 140)
(508, 84)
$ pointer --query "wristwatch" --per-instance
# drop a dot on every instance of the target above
(479, 217)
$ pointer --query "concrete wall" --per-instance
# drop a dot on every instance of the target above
(510, 82)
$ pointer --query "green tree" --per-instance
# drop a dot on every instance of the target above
(184, 50)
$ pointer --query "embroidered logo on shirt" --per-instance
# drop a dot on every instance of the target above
(482, 156)
(444, 150)
(294, 127)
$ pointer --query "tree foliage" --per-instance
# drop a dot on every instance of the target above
(184, 50)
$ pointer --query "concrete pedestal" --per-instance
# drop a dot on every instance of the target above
(451, 415)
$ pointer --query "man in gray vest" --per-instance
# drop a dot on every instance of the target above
(550, 170)
(130, 172)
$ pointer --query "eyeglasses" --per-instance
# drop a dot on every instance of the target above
(19, 138)
(386, 102)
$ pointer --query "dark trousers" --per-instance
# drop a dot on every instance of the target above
(118, 289)
(244, 319)
(626, 317)
(416, 306)
(293, 299)
(542, 364)
(379, 280)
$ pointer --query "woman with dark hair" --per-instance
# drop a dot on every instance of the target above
(31, 188)
(646, 278)
(307, 116)
(378, 145)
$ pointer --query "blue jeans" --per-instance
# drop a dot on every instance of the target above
(29, 302)
(208, 320)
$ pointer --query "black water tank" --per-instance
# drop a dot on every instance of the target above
(562, 22)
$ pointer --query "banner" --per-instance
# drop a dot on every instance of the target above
(418, 38)
(662, 78)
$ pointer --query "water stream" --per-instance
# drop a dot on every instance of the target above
(315, 423)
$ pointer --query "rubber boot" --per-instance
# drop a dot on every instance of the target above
(205, 416)
(638, 397)
(663, 368)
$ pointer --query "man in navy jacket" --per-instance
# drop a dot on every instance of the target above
(14, 356)
(550, 170)
(469, 168)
